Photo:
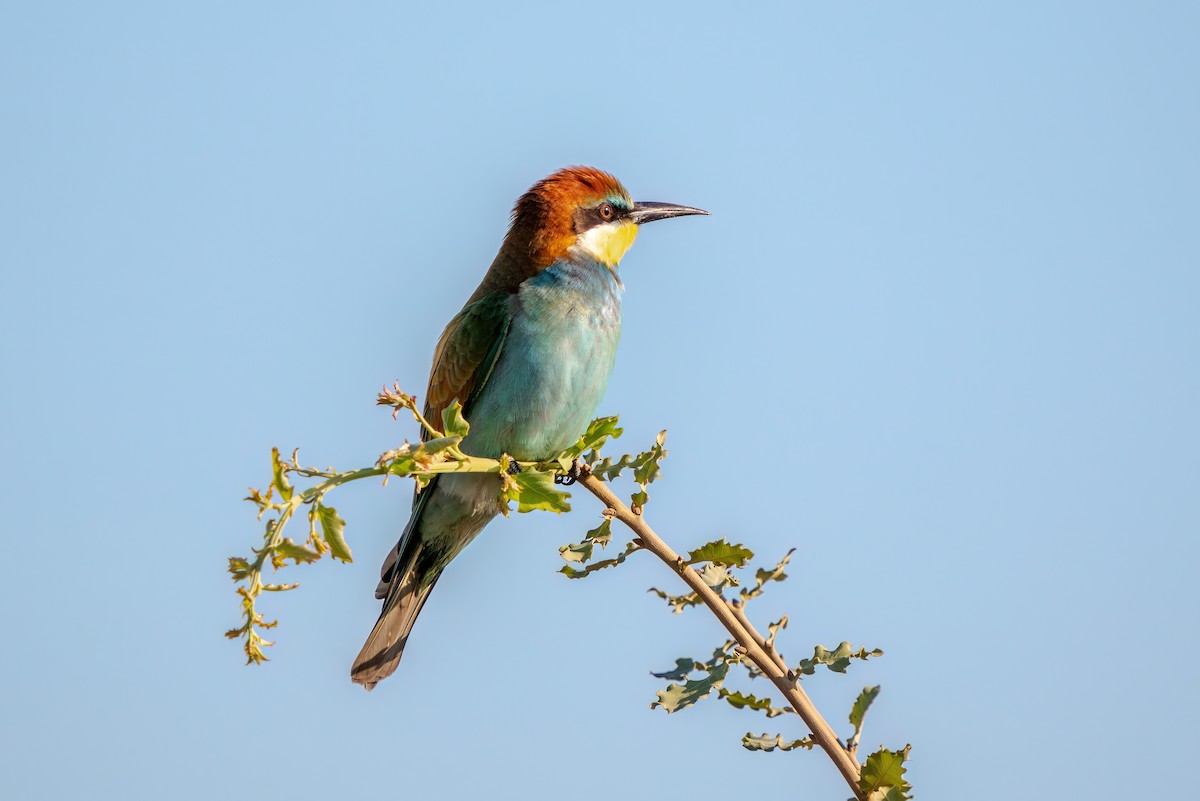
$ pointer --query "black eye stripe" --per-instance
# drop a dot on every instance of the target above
(586, 218)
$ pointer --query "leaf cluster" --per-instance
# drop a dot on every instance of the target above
(646, 466)
(716, 565)
(529, 485)
(581, 552)
(326, 534)
(691, 681)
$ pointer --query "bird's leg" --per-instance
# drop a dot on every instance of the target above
(578, 470)
(513, 468)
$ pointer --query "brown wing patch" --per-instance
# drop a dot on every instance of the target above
(465, 355)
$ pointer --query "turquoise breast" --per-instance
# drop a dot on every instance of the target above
(554, 365)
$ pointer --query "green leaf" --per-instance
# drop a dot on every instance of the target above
(582, 551)
(606, 469)
(859, 711)
(648, 468)
(579, 552)
(774, 629)
(888, 794)
(259, 500)
(762, 577)
(453, 423)
(763, 742)
(296, 552)
(334, 529)
(638, 500)
(717, 577)
(535, 491)
(677, 697)
(836, 660)
(740, 701)
(571, 572)
(680, 672)
(884, 770)
(239, 567)
(722, 553)
(645, 467)
(598, 433)
(601, 534)
(677, 602)
(279, 478)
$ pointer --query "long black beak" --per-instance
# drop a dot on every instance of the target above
(645, 211)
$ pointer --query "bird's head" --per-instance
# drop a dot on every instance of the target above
(581, 211)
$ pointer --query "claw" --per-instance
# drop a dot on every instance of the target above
(571, 476)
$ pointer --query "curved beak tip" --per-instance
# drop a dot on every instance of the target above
(645, 211)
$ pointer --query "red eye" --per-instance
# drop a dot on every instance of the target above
(606, 211)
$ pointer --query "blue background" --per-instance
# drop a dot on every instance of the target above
(940, 334)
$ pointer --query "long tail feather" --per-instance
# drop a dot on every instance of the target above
(446, 516)
(400, 588)
(384, 647)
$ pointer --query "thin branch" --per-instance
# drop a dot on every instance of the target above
(739, 611)
(737, 624)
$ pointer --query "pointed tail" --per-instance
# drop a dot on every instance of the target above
(403, 588)
(381, 654)
(446, 516)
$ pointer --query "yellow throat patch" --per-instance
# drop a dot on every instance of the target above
(608, 242)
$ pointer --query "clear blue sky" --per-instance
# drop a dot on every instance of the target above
(941, 329)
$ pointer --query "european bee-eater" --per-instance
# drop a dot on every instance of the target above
(528, 357)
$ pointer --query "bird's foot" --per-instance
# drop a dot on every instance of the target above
(578, 470)
(513, 468)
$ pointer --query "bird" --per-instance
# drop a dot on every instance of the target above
(528, 358)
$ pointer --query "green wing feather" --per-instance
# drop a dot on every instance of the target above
(466, 354)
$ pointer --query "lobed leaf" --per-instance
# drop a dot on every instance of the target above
(858, 712)
(263, 502)
(607, 469)
(597, 435)
(334, 529)
(638, 501)
(836, 660)
(601, 534)
(453, 422)
(571, 572)
(763, 742)
(239, 567)
(645, 468)
(762, 577)
(294, 551)
(648, 469)
(677, 602)
(738, 700)
(535, 491)
(677, 697)
(773, 630)
(680, 672)
(582, 551)
(717, 577)
(882, 777)
(279, 478)
(578, 552)
(721, 552)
